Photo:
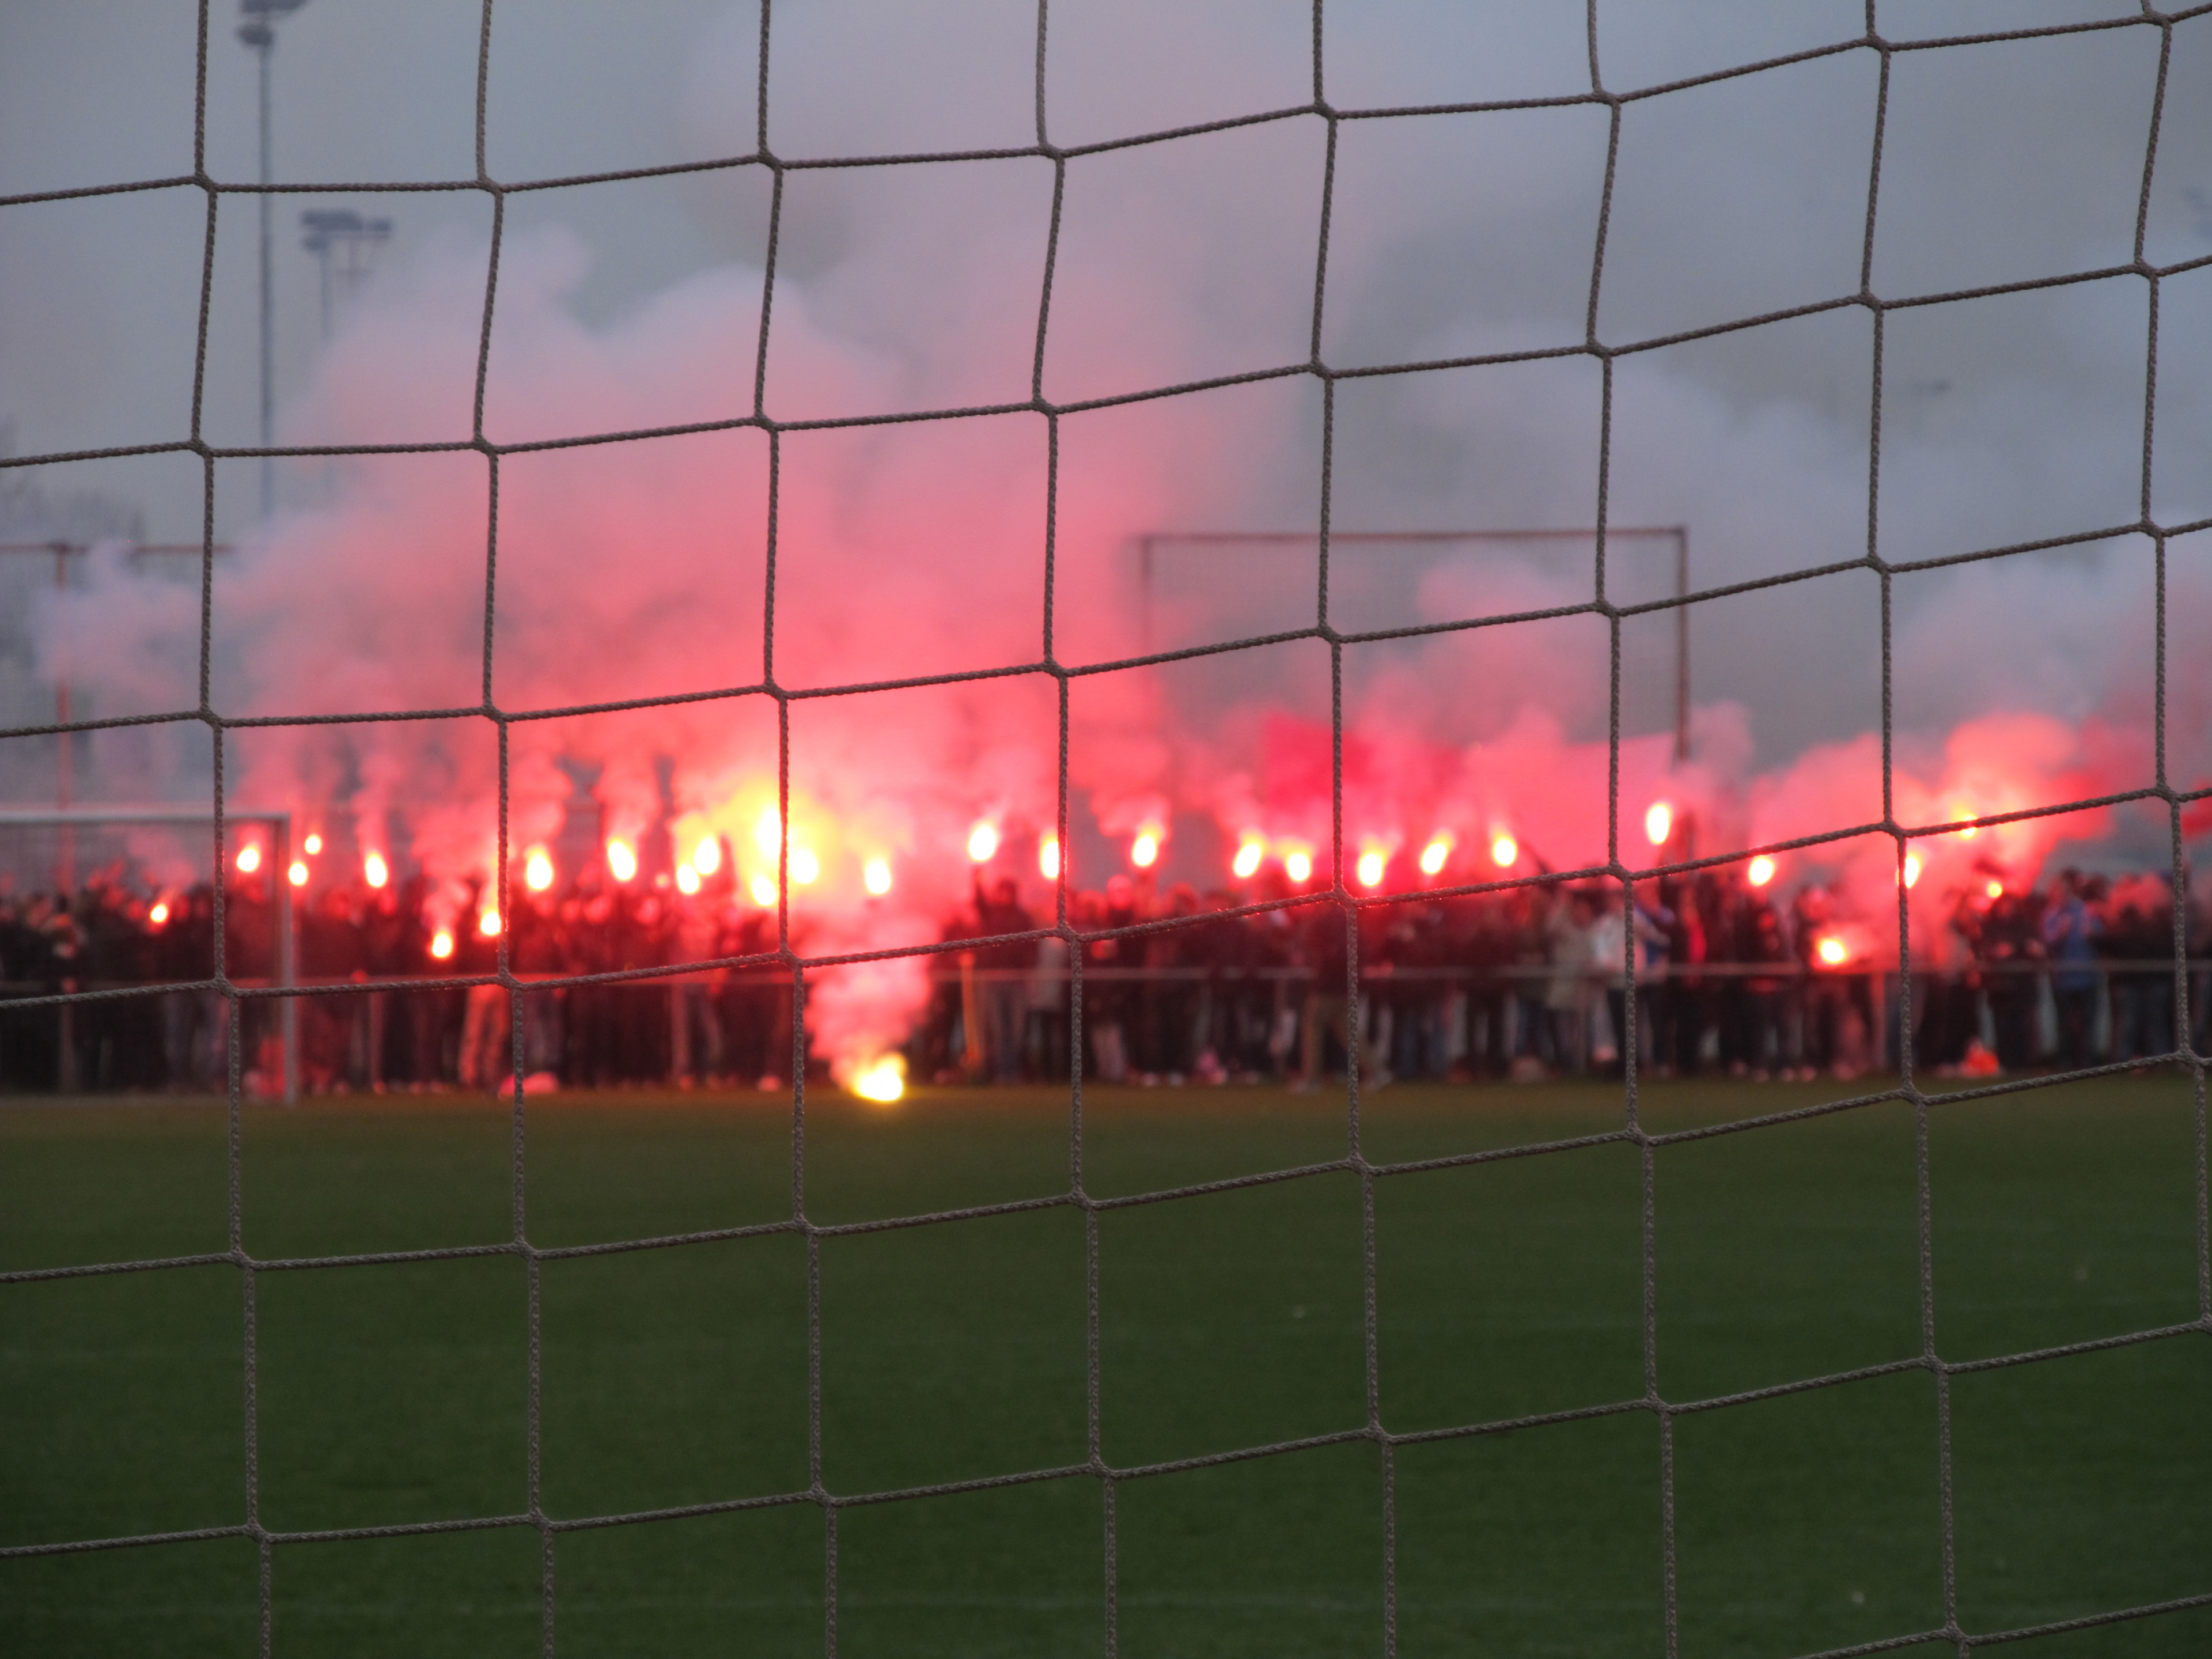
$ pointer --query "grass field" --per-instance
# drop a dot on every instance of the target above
(397, 1392)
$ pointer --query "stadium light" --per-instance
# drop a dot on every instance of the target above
(258, 32)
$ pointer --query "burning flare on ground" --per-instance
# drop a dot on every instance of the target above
(883, 1081)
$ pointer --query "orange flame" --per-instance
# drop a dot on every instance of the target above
(882, 1081)
(374, 870)
(1833, 950)
(1049, 857)
(687, 879)
(441, 944)
(1759, 871)
(249, 858)
(622, 860)
(1369, 869)
(313, 845)
(1144, 851)
(297, 874)
(763, 891)
(1298, 866)
(875, 876)
(1659, 823)
(1504, 852)
(1434, 854)
(707, 856)
(488, 924)
(158, 915)
(983, 841)
(1249, 852)
(537, 870)
(1912, 868)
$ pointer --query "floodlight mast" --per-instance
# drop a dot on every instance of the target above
(258, 32)
(352, 240)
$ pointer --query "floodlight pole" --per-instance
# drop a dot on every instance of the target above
(65, 766)
(258, 32)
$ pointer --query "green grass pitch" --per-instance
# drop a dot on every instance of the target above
(397, 1392)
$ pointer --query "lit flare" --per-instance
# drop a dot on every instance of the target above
(622, 860)
(537, 870)
(1144, 851)
(1659, 823)
(875, 876)
(1434, 854)
(707, 856)
(1246, 864)
(882, 1081)
(297, 873)
(374, 870)
(687, 879)
(249, 858)
(1504, 852)
(983, 842)
(1049, 857)
(1761, 871)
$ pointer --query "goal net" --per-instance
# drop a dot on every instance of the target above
(1081, 546)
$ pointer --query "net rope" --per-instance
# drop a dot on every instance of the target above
(1370, 1172)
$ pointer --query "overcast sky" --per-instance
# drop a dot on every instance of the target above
(2006, 419)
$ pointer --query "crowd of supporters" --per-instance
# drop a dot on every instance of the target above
(1730, 979)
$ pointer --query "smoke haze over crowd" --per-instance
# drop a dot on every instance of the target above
(639, 569)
